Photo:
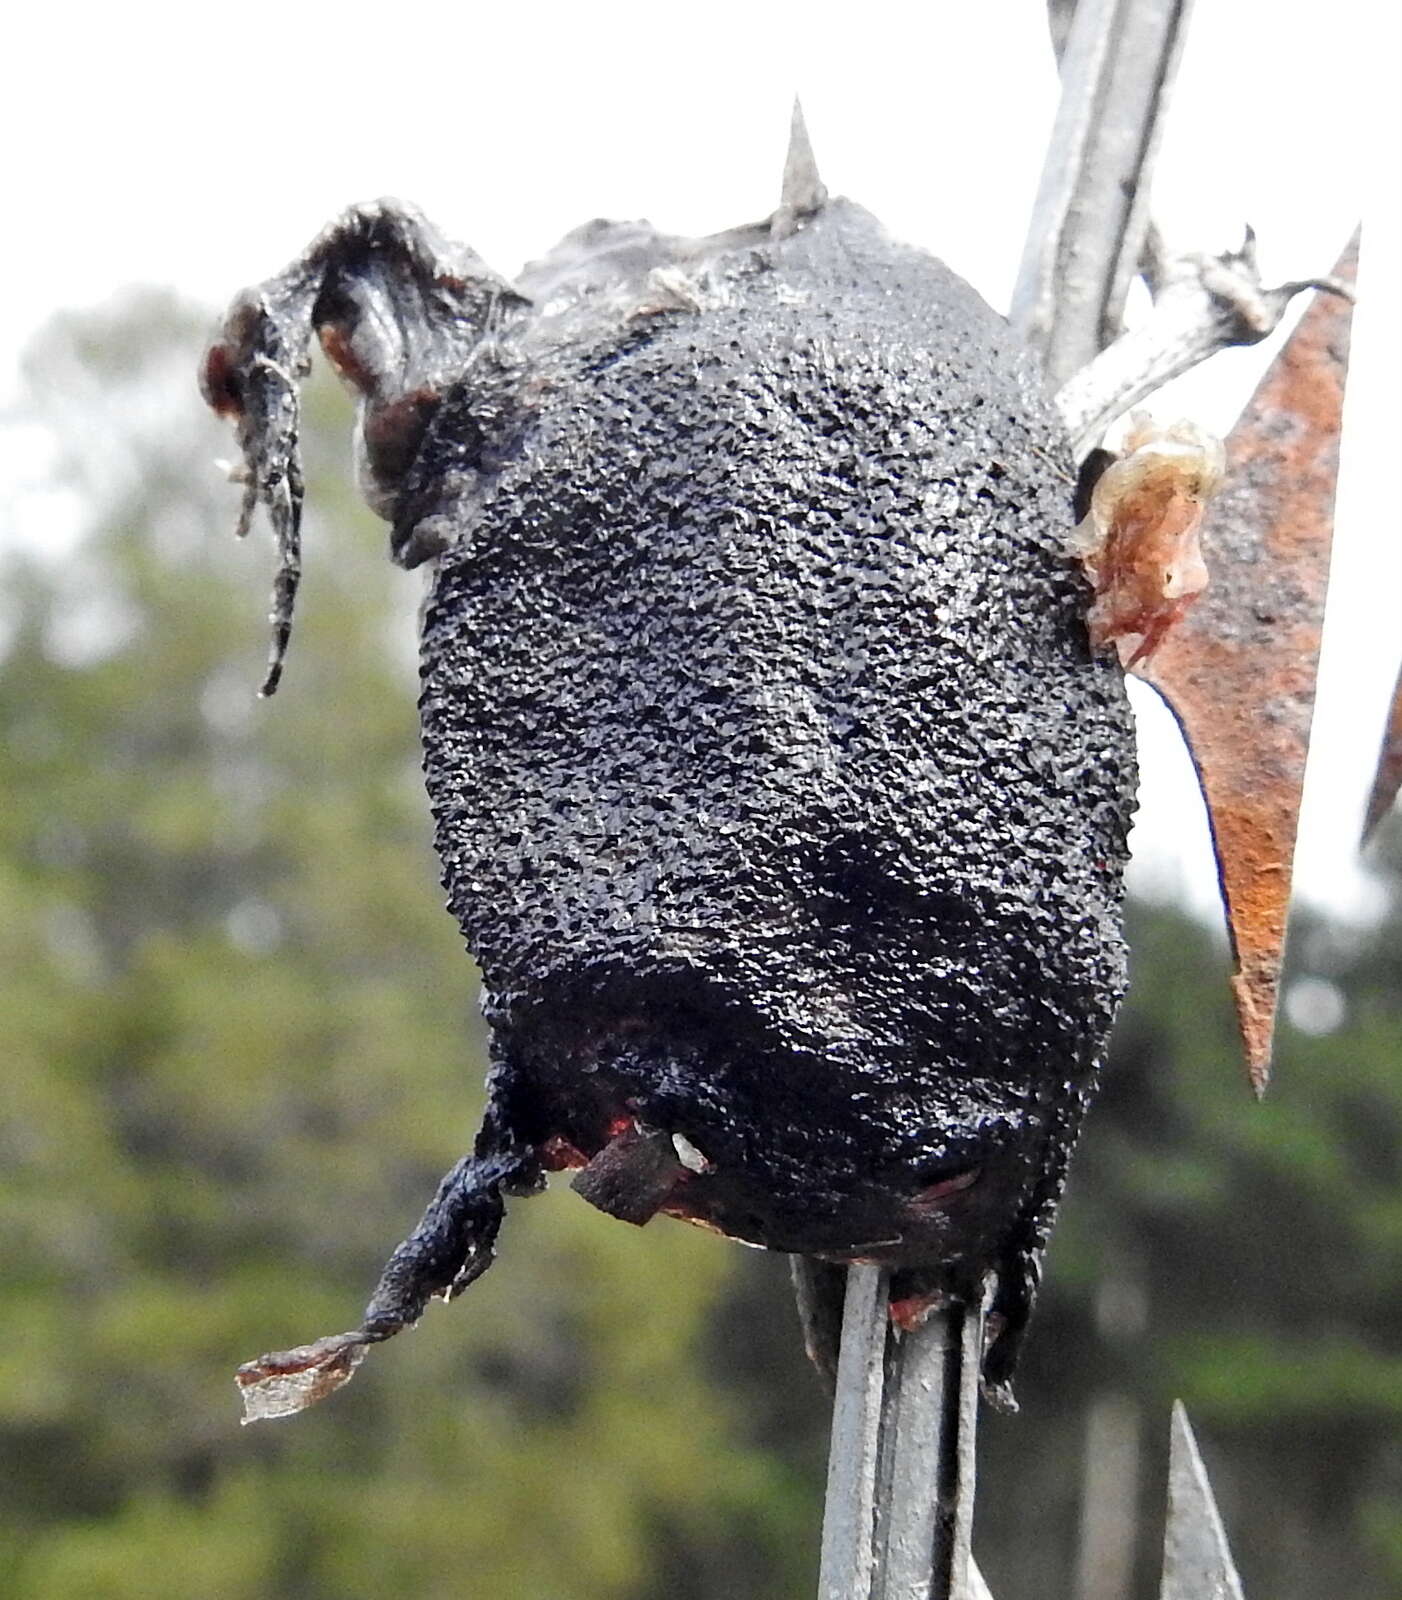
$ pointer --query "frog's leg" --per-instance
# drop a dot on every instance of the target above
(820, 1287)
(399, 311)
(1017, 1273)
(452, 1246)
(1202, 304)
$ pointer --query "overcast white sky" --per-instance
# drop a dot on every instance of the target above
(201, 147)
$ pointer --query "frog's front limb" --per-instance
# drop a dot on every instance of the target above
(399, 311)
(1202, 304)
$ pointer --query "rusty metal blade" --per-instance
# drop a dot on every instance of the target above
(1239, 671)
(1197, 1563)
(1388, 778)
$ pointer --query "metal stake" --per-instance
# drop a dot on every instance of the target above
(901, 1470)
(925, 1484)
(1197, 1565)
(849, 1512)
(900, 1500)
(1090, 219)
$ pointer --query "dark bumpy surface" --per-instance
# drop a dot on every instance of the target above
(777, 794)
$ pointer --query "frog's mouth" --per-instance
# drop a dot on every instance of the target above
(637, 1163)
(909, 1226)
(670, 1096)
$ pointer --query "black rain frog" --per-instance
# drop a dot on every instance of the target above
(779, 796)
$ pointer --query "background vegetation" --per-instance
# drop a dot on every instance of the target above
(240, 1043)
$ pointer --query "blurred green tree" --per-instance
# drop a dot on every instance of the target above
(1245, 1257)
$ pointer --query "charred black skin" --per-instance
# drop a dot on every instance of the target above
(778, 795)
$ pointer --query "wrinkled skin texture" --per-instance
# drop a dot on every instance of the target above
(778, 794)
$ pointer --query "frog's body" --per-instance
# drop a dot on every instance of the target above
(778, 794)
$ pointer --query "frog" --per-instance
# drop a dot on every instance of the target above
(780, 792)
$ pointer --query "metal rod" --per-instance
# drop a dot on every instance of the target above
(1090, 231)
(899, 1512)
(850, 1508)
(925, 1493)
(1090, 220)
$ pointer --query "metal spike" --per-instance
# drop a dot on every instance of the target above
(1388, 778)
(900, 1493)
(1239, 671)
(849, 1517)
(803, 194)
(925, 1478)
(1197, 1563)
(1090, 219)
(977, 1588)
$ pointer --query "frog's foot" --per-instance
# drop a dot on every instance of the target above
(399, 311)
(453, 1245)
(251, 376)
(1202, 304)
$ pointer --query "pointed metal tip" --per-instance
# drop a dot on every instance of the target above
(803, 194)
(1235, 655)
(1196, 1559)
(1387, 779)
(1255, 989)
(1341, 281)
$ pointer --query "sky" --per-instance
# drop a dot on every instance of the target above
(201, 147)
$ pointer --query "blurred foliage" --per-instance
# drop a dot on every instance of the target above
(1245, 1257)
(240, 1044)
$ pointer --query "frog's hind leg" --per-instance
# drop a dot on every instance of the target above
(400, 311)
(820, 1288)
(452, 1246)
(1017, 1274)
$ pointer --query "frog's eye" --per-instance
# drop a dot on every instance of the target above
(390, 435)
(219, 383)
